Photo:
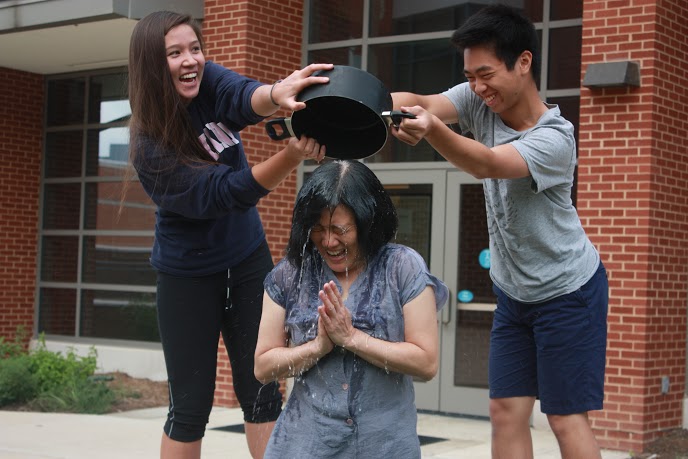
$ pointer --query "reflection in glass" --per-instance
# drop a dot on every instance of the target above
(63, 153)
(105, 210)
(414, 208)
(122, 260)
(119, 315)
(61, 203)
(423, 67)
(57, 311)
(107, 101)
(564, 58)
(411, 16)
(400, 17)
(334, 20)
(350, 56)
(59, 258)
(66, 101)
(107, 152)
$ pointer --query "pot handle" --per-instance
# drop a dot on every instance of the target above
(285, 126)
(394, 117)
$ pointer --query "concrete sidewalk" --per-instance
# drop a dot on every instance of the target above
(136, 434)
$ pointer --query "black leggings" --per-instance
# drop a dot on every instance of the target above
(192, 312)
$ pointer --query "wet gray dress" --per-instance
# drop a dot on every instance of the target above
(345, 407)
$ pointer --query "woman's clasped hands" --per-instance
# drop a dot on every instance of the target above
(335, 318)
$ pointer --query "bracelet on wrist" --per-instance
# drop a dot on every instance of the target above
(271, 89)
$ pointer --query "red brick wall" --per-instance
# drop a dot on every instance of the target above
(633, 200)
(21, 140)
(262, 40)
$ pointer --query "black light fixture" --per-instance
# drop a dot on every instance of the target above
(612, 75)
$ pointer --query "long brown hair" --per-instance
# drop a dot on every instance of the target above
(157, 111)
(158, 114)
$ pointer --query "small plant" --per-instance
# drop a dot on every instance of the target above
(76, 396)
(16, 347)
(17, 384)
(50, 381)
(53, 370)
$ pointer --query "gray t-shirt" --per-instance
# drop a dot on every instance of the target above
(538, 248)
(344, 406)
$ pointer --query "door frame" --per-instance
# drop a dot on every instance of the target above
(456, 399)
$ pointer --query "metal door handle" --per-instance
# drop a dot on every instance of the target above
(446, 311)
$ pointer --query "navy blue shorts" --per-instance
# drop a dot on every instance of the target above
(554, 350)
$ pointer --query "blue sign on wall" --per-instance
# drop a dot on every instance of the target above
(465, 296)
(484, 258)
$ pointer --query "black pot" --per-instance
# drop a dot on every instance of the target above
(350, 115)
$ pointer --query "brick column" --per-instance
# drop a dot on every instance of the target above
(633, 201)
(260, 39)
(21, 125)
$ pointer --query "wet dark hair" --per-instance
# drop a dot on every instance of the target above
(505, 30)
(350, 184)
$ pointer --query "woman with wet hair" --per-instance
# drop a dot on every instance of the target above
(352, 316)
(210, 251)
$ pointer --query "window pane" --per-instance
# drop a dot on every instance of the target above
(532, 9)
(105, 209)
(333, 20)
(414, 208)
(57, 311)
(107, 152)
(412, 16)
(565, 9)
(472, 348)
(63, 152)
(61, 205)
(108, 101)
(424, 67)
(564, 58)
(118, 260)
(66, 102)
(350, 56)
(119, 315)
(59, 258)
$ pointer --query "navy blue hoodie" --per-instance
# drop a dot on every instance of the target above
(206, 220)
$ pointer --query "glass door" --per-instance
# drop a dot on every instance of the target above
(442, 216)
(466, 321)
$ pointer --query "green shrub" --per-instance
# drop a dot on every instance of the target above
(53, 370)
(51, 381)
(16, 347)
(17, 383)
(76, 396)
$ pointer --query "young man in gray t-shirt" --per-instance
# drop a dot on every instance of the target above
(549, 334)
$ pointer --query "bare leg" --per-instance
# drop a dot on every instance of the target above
(172, 449)
(575, 436)
(510, 418)
(257, 436)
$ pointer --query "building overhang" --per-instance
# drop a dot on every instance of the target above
(62, 36)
